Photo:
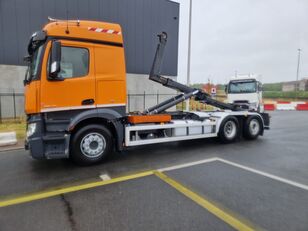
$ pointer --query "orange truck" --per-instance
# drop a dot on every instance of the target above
(75, 98)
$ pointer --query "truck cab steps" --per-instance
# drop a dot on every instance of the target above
(55, 146)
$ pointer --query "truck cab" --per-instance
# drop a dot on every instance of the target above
(245, 91)
(76, 74)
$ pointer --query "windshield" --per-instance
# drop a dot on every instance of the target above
(34, 64)
(242, 87)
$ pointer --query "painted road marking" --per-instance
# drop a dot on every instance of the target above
(105, 177)
(284, 180)
(174, 167)
(227, 216)
(231, 219)
(51, 193)
(274, 177)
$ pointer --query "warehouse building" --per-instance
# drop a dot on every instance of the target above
(141, 21)
(301, 85)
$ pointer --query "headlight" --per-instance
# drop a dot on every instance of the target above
(31, 129)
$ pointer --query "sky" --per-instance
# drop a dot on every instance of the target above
(244, 36)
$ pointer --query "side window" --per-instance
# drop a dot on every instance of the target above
(74, 62)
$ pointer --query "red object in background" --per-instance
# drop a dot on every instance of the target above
(283, 102)
(302, 107)
(207, 87)
(269, 107)
(213, 90)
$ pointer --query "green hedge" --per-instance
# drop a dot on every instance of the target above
(272, 87)
(288, 94)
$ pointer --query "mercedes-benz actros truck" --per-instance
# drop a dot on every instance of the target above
(75, 98)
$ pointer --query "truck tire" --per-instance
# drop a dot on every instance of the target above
(252, 128)
(91, 144)
(229, 130)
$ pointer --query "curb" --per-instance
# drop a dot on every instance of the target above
(8, 138)
(9, 148)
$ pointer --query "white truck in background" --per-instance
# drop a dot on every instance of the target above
(246, 91)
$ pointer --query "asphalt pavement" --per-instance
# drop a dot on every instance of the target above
(148, 203)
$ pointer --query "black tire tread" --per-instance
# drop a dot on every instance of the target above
(75, 152)
(246, 133)
(221, 134)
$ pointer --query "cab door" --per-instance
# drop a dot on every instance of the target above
(75, 87)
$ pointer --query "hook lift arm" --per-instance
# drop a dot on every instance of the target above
(187, 92)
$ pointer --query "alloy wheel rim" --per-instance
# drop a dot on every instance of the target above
(230, 129)
(93, 145)
(254, 127)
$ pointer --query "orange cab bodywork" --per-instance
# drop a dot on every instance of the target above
(105, 82)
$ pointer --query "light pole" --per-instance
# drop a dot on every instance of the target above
(297, 71)
(189, 53)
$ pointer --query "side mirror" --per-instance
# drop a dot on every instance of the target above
(226, 88)
(55, 59)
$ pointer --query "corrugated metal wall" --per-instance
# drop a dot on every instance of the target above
(141, 20)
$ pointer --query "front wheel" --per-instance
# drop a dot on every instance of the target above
(229, 129)
(91, 144)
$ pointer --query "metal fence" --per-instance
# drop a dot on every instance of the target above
(12, 103)
(139, 102)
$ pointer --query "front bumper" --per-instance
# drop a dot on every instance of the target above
(36, 147)
(34, 143)
(266, 120)
(44, 145)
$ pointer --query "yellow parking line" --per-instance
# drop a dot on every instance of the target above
(51, 193)
(233, 221)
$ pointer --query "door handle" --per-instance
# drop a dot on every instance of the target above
(87, 101)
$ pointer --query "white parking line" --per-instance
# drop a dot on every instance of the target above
(284, 180)
(187, 164)
(105, 177)
(290, 182)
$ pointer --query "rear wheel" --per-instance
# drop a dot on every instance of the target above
(228, 131)
(252, 128)
(91, 144)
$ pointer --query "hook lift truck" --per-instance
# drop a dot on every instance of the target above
(75, 98)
